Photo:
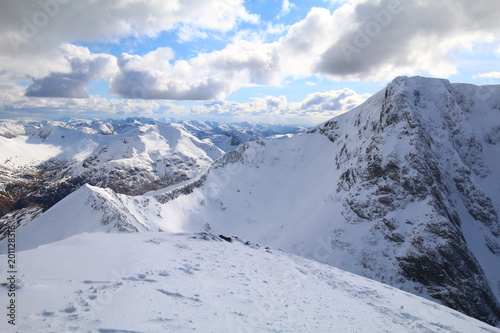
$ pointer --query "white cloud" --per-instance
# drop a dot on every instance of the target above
(286, 6)
(153, 76)
(208, 76)
(64, 72)
(187, 34)
(390, 37)
(314, 109)
(84, 67)
(275, 29)
(490, 75)
(27, 26)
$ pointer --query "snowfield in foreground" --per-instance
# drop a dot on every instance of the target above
(158, 282)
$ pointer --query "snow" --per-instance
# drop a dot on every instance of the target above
(102, 211)
(19, 151)
(157, 282)
(72, 218)
(33, 143)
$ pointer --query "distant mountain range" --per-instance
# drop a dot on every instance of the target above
(44, 161)
(404, 189)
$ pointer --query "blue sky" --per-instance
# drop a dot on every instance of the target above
(285, 61)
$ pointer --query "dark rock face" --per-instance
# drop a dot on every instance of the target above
(51, 183)
(434, 161)
(451, 275)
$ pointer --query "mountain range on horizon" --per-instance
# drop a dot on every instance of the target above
(403, 189)
(44, 161)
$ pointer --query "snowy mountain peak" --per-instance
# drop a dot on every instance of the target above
(422, 142)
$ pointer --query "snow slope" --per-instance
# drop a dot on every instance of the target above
(93, 209)
(156, 282)
(229, 136)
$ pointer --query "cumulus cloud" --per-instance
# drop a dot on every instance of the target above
(489, 75)
(72, 85)
(32, 32)
(27, 26)
(142, 85)
(211, 75)
(246, 62)
(84, 67)
(389, 37)
(305, 41)
(152, 76)
(314, 109)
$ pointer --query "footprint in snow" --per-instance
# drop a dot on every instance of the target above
(139, 277)
(177, 295)
(163, 273)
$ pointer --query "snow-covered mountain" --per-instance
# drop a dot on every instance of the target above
(229, 136)
(404, 189)
(158, 282)
(45, 161)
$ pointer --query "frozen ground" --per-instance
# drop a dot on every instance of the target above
(158, 282)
